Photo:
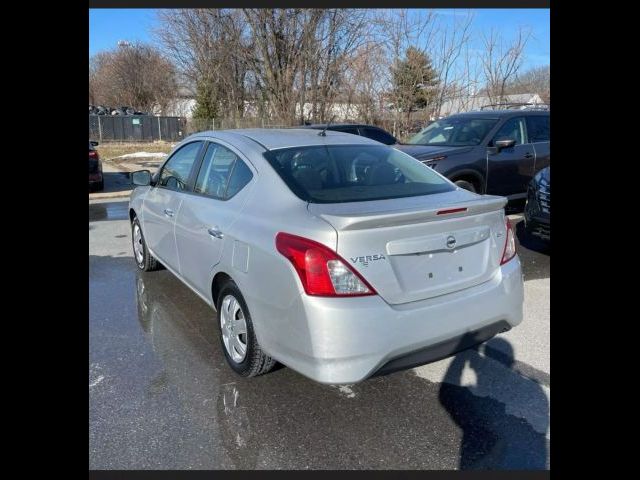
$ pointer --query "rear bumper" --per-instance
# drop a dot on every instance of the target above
(444, 349)
(346, 340)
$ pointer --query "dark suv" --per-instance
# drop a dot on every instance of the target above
(496, 152)
(537, 210)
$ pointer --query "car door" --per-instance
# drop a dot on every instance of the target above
(510, 169)
(219, 193)
(538, 133)
(162, 203)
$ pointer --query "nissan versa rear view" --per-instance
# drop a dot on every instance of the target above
(335, 255)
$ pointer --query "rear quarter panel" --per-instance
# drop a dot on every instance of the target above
(267, 280)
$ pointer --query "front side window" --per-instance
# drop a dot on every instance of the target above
(538, 128)
(175, 172)
(455, 132)
(222, 174)
(513, 129)
(354, 173)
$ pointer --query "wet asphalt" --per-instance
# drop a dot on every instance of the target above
(162, 397)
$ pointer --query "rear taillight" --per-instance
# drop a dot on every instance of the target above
(321, 270)
(509, 244)
(93, 154)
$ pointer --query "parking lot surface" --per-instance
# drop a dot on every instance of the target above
(162, 397)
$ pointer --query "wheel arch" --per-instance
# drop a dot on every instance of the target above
(219, 279)
(470, 175)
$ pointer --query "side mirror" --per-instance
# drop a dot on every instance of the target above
(93, 143)
(141, 178)
(503, 143)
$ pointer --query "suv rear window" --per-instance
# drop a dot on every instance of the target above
(354, 173)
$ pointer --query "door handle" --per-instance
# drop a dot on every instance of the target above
(528, 155)
(168, 212)
(215, 232)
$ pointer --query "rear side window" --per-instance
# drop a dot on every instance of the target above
(222, 174)
(512, 129)
(175, 172)
(538, 128)
(377, 135)
(354, 173)
(240, 176)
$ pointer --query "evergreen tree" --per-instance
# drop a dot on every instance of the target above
(206, 100)
(414, 81)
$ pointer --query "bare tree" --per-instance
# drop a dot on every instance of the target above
(340, 35)
(535, 80)
(135, 75)
(449, 44)
(210, 50)
(501, 62)
(295, 65)
(363, 82)
(279, 37)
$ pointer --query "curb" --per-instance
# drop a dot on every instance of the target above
(122, 167)
(129, 167)
(98, 196)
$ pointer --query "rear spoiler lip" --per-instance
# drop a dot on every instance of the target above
(350, 221)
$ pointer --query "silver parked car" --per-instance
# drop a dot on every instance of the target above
(338, 256)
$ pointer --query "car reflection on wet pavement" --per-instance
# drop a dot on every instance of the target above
(162, 396)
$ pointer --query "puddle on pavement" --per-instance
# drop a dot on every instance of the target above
(283, 420)
(108, 211)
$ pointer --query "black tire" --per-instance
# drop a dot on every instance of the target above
(255, 361)
(148, 263)
(100, 186)
(467, 185)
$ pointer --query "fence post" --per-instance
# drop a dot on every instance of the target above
(99, 128)
(159, 130)
(213, 124)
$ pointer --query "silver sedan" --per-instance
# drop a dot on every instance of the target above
(337, 256)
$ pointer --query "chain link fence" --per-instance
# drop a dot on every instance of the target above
(195, 125)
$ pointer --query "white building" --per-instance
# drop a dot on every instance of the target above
(470, 103)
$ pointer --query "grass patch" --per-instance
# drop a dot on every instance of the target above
(109, 151)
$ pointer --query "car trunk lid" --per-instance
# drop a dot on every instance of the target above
(416, 248)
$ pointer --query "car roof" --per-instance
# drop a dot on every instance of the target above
(275, 138)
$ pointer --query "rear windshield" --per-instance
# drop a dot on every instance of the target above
(354, 173)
